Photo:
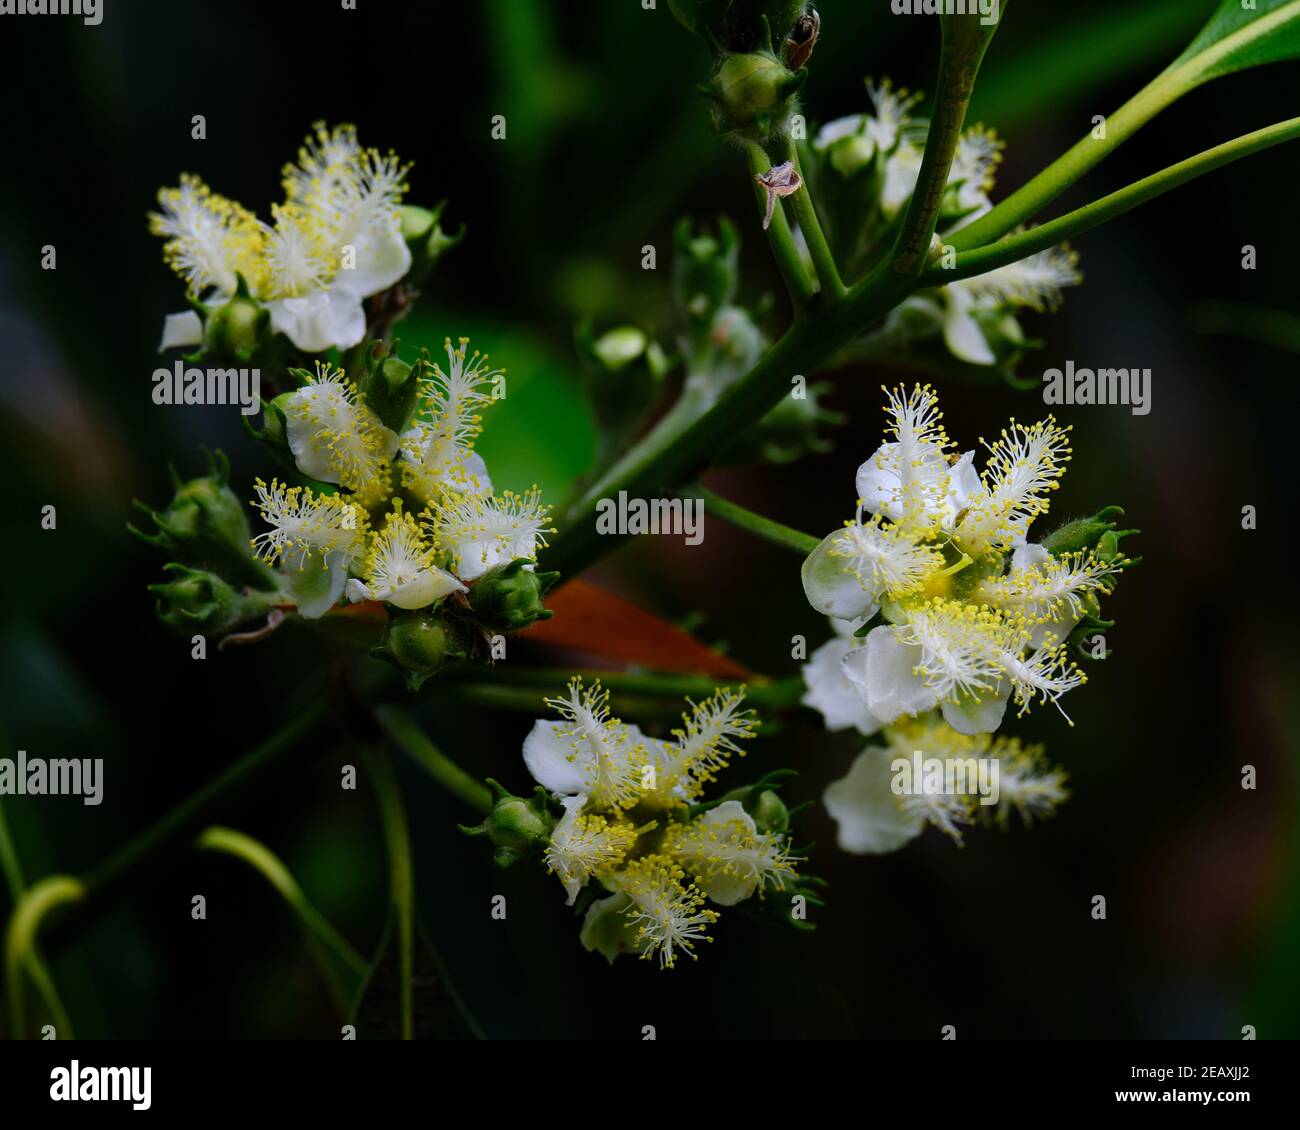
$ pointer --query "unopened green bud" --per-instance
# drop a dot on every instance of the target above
(516, 826)
(418, 643)
(237, 329)
(199, 601)
(769, 812)
(205, 526)
(751, 94)
(1097, 532)
(705, 270)
(391, 387)
(509, 597)
(422, 230)
(623, 371)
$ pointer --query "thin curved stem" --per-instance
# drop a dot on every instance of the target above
(405, 733)
(760, 691)
(1014, 248)
(756, 524)
(20, 945)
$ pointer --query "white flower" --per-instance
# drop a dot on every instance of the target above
(317, 537)
(589, 753)
(830, 692)
(1049, 592)
(868, 818)
(909, 479)
(1035, 282)
(668, 915)
(399, 567)
(729, 858)
(335, 437)
(438, 451)
(1025, 465)
(478, 531)
(585, 846)
(679, 770)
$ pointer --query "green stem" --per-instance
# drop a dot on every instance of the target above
(766, 692)
(20, 946)
(779, 237)
(154, 849)
(964, 44)
(401, 879)
(805, 211)
(757, 524)
(1016, 247)
(324, 938)
(403, 731)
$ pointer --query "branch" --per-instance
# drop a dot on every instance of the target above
(757, 524)
(1014, 248)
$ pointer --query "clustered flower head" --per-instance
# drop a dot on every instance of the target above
(334, 241)
(867, 166)
(630, 832)
(365, 542)
(942, 601)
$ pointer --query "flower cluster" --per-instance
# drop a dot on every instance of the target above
(364, 543)
(336, 240)
(629, 832)
(873, 816)
(866, 168)
(942, 601)
(392, 503)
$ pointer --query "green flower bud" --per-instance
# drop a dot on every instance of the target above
(238, 329)
(769, 812)
(194, 600)
(789, 431)
(391, 387)
(205, 526)
(751, 95)
(418, 643)
(424, 236)
(607, 929)
(1097, 532)
(509, 597)
(516, 826)
(705, 270)
(623, 371)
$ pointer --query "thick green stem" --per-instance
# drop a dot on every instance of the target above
(405, 733)
(757, 524)
(1014, 248)
(964, 44)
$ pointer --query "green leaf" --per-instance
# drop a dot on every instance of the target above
(1237, 38)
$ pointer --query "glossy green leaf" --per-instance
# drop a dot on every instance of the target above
(1238, 37)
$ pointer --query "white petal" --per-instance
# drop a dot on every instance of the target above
(181, 330)
(424, 589)
(358, 592)
(551, 761)
(840, 703)
(883, 671)
(964, 484)
(1027, 555)
(831, 587)
(316, 587)
(982, 715)
(864, 808)
(721, 887)
(961, 333)
(382, 259)
(317, 322)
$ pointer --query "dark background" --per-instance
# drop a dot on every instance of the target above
(608, 145)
